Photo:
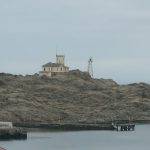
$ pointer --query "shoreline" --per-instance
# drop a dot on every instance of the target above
(76, 126)
(67, 127)
(20, 130)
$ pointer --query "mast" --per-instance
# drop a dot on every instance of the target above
(90, 66)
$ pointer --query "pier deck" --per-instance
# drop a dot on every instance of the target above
(124, 127)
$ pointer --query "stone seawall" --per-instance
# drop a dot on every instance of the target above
(67, 127)
(77, 126)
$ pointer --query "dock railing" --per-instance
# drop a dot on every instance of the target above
(124, 125)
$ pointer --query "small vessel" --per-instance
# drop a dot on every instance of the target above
(2, 148)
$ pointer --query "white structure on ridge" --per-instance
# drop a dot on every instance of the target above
(90, 66)
(51, 69)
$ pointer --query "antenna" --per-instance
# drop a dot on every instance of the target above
(56, 49)
(90, 66)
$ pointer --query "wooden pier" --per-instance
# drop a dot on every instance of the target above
(123, 126)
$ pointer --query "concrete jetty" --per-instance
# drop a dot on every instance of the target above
(14, 133)
(7, 131)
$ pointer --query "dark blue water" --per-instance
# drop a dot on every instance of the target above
(84, 140)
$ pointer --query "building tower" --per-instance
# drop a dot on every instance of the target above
(90, 66)
(60, 59)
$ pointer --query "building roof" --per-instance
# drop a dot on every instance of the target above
(50, 64)
(60, 55)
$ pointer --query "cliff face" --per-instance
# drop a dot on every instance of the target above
(74, 97)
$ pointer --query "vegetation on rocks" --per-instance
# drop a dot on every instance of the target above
(70, 98)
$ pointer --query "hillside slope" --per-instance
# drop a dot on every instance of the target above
(74, 97)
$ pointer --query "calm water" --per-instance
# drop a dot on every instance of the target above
(87, 140)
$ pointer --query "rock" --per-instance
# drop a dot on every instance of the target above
(70, 98)
(80, 74)
(2, 83)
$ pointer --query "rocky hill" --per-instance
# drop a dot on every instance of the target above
(70, 98)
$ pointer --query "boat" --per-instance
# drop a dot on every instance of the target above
(2, 148)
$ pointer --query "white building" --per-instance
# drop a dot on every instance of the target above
(51, 69)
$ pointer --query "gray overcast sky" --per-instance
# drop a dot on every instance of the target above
(115, 33)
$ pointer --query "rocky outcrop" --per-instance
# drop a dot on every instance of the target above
(70, 98)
